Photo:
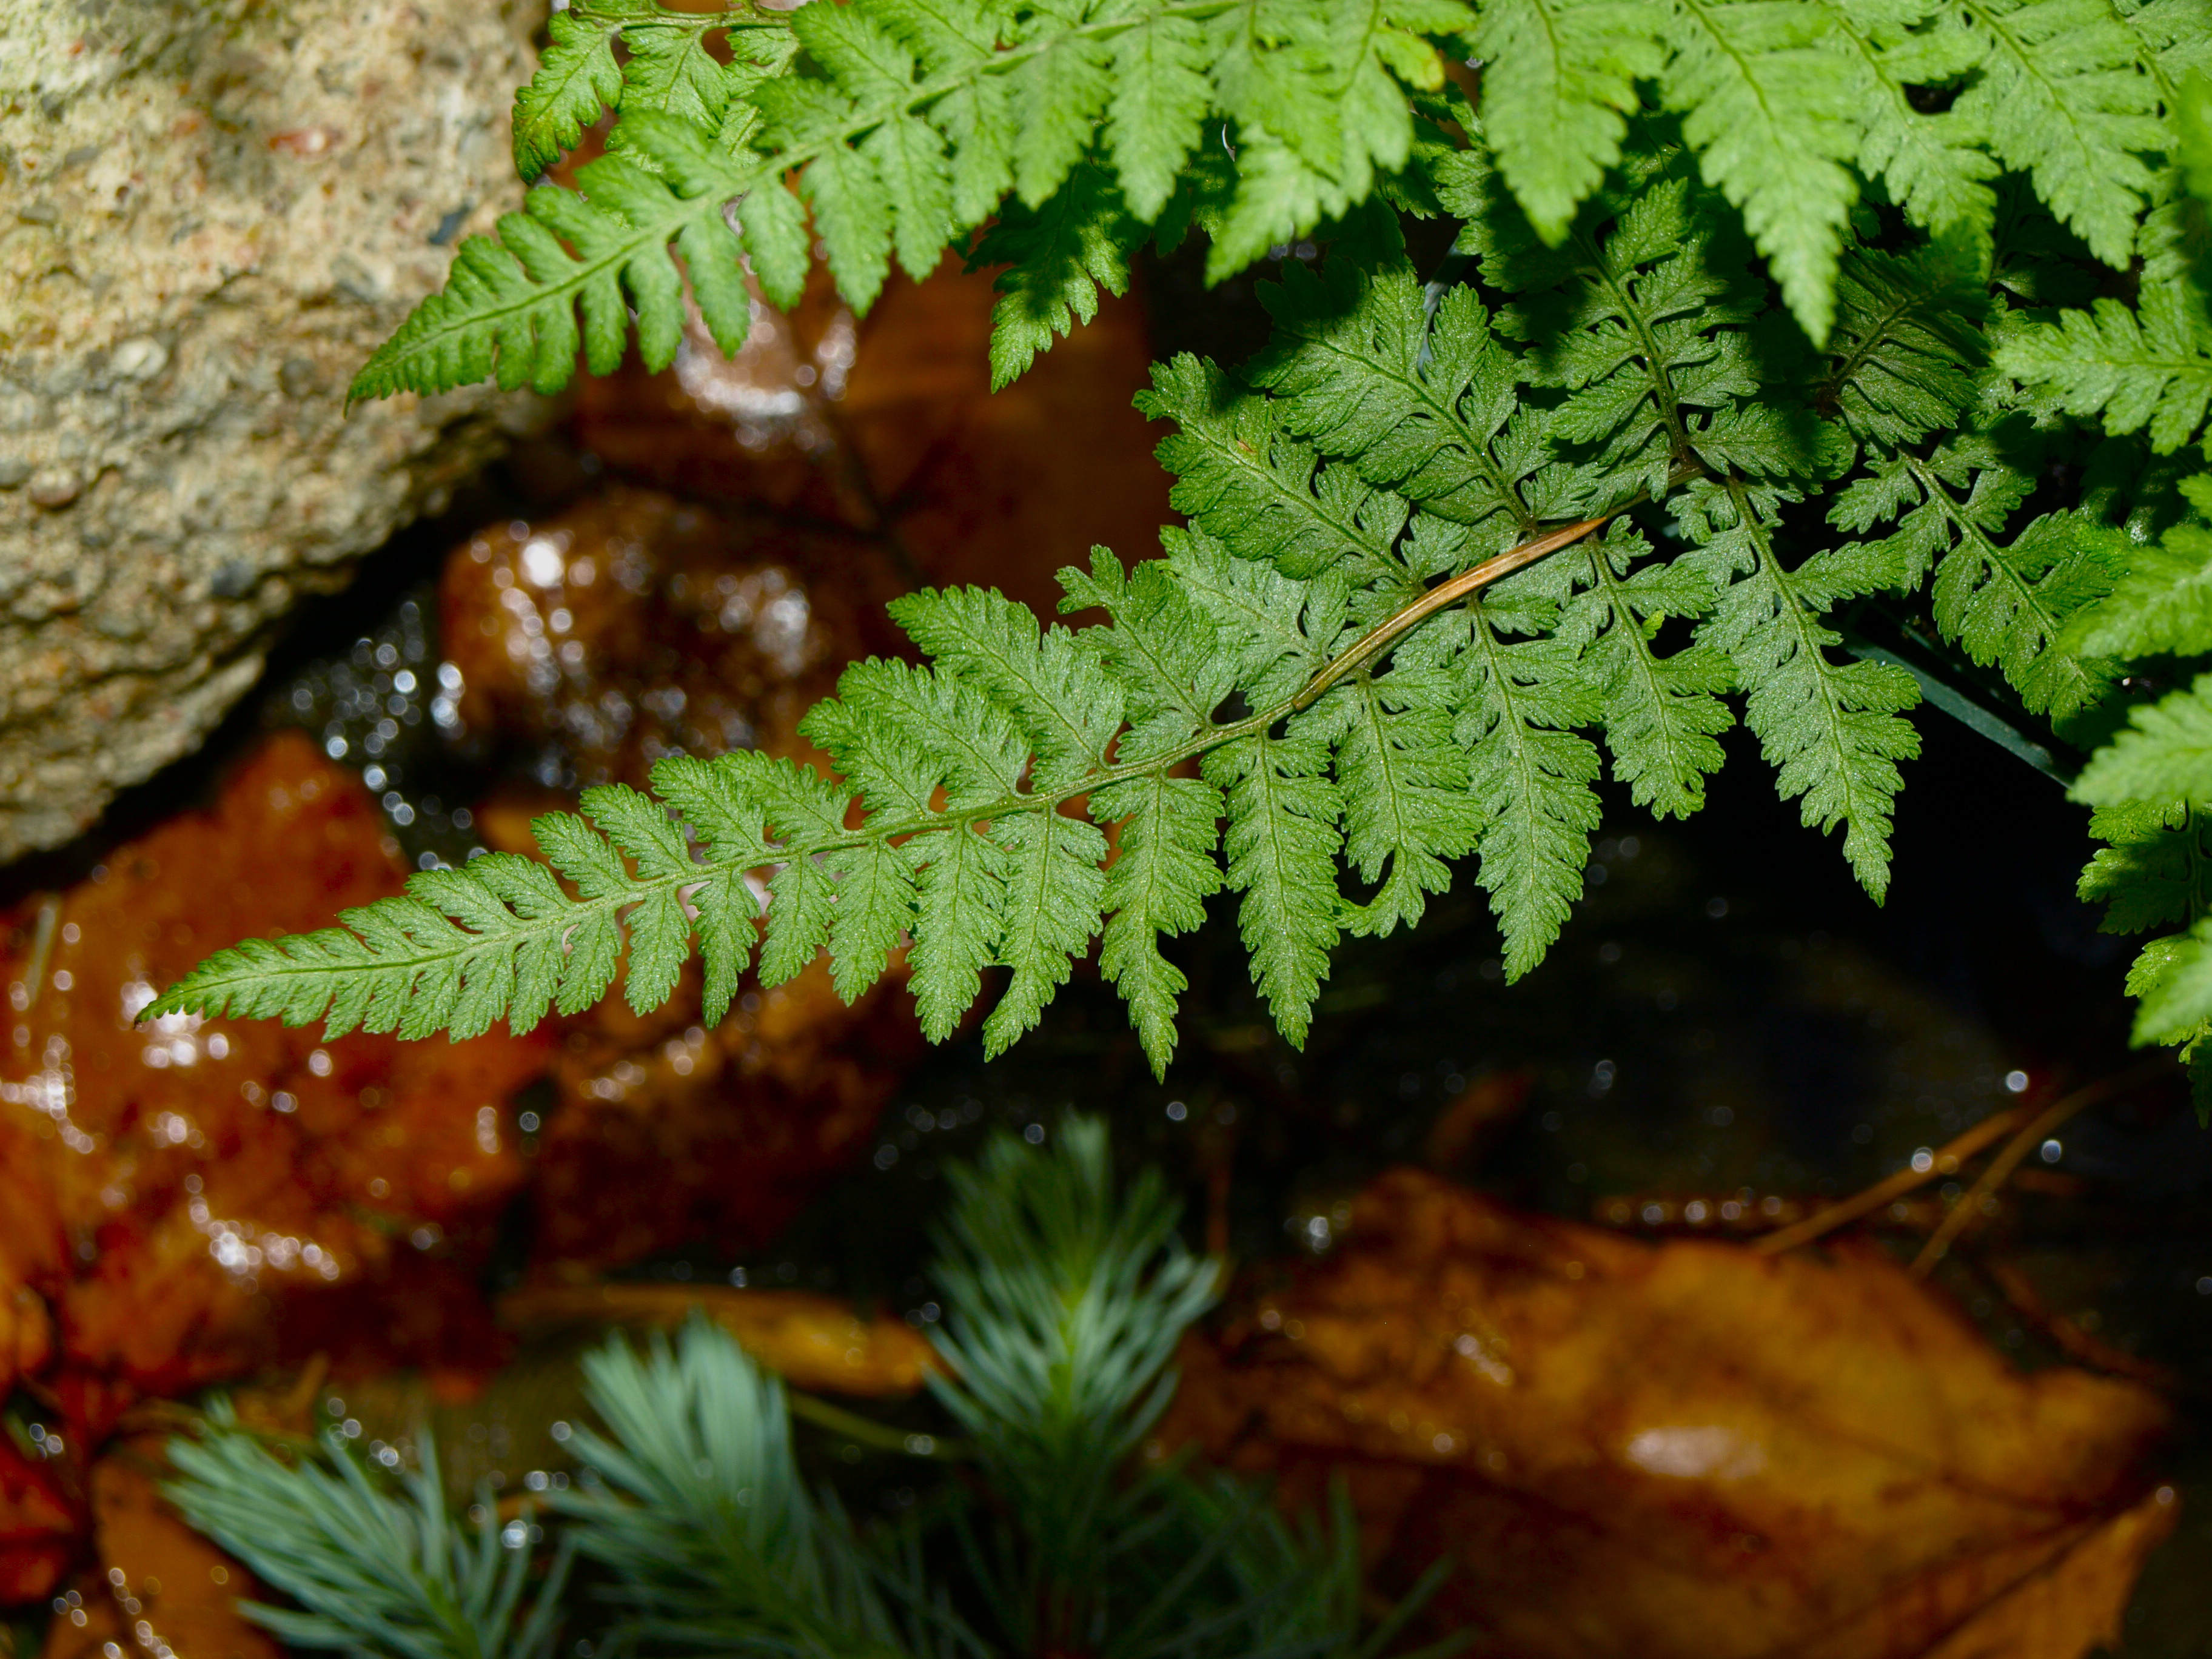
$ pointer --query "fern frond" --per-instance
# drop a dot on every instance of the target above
(1834, 732)
(2005, 603)
(577, 80)
(1282, 842)
(1358, 370)
(2062, 97)
(1936, 165)
(1530, 774)
(1243, 479)
(2149, 369)
(902, 124)
(509, 308)
(1663, 715)
(2156, 871)
(1558, 80)
(1403, 782)
(1641, 316)
(1907, 349)
(2164, 752)
(1058, 256)
(1774, 126)
(2161, 606)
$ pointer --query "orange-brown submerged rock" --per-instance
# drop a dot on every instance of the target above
(671, 1132)
(200, 1197)
(1685, 1448)
(887, 424)
(635, 626)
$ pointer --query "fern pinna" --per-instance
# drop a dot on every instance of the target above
(1765, 318)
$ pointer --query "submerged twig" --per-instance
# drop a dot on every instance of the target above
(1946, 1161)
(2002, 1166)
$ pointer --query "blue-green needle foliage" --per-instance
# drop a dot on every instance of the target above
(375, 1572)
(1765, 310)
(694, 1507)
(1066, 1295)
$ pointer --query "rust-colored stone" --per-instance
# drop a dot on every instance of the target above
(207, 1197)
(635, 626)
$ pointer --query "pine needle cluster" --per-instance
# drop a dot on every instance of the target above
(1767, 319)
(699, 1533)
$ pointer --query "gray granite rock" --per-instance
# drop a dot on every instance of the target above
(210, 212)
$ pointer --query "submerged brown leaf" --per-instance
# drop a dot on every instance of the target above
(1683, 1449)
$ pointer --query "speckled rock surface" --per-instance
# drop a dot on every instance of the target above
(210, 212)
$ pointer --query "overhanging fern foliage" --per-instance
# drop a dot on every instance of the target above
(1766, 318)
(1074, 129)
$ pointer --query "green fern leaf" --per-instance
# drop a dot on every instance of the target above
(509, 307)
(670, 71)
(1158, 882)
(2164, 752)
(1356, 369)
(2005, 603)
(1258, 614)
(874, 903)
(1773, 124)
(1243, 480)
(1069, 710)
(2161, 606)
(1057, 97)
(960, 903)
(2157, 871)
(1906, 350)
(1558, 79)
(2145, 369)
(1663, 715)
(1162, 649)
(1403, 782)
(1282, 842)
(2059, 92)
(1059, 256)
(1833, 732)
(1054, 892)
(1530, 772)
(1161, 95)
(1936, 165)
(576, 81)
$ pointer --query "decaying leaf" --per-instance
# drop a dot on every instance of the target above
(162, 1587)
(1684, 1449)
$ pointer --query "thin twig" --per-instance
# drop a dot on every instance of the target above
(1947, 1160)
(2002, 1166)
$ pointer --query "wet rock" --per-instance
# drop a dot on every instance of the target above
(887, 425)
(195, 1198)
(210, 212)
(668, 1133)
(632, 627)
(637, 626)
